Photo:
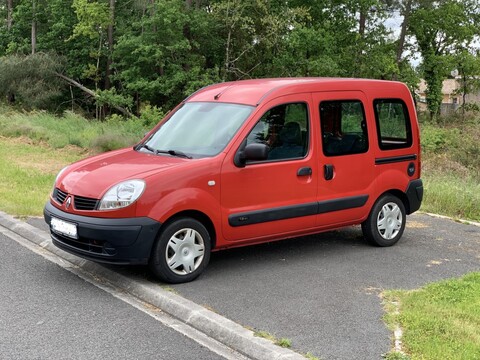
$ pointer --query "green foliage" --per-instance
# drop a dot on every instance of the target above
(30, 81)
(441, 28)
(151, 116)
(437, 140)
(93, 18)
(160, 51)
(451, 169)
(113, 98)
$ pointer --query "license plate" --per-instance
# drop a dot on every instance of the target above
(64, 228)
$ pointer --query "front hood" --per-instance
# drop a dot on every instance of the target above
(93, 177)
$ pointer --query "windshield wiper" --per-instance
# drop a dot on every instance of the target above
(173, 153)
(145, 146)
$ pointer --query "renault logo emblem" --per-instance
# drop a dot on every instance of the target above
(68, 203)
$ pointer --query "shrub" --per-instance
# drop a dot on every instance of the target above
(30, 81)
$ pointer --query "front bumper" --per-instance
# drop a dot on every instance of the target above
(113, 241)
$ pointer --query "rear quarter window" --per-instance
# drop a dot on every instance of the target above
(393, 124)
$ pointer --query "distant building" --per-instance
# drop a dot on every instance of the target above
(452, 96)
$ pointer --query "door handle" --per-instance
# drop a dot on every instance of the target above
(304, 171)
(328, 171)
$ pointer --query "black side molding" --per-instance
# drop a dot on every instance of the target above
(294, 211)
(281, 213)
(414, 195)
(394, 159)
(342, 204)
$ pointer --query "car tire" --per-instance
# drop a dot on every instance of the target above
(181, 251)
(386, 222)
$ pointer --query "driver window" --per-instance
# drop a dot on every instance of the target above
(285, 130)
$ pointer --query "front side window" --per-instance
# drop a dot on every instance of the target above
(199, 129)
(344, 129)
(285, 130)
(393, 124)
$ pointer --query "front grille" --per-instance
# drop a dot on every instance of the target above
(84, 203)
(80, 202)
(59, 195)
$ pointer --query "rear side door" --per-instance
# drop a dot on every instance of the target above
(345, 158)
(275, 196)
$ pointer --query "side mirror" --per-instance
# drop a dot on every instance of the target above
(251, 152)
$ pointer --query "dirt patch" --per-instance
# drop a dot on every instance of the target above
(442, 163)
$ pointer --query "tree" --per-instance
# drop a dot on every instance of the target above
(440, 28)
(155, 60)
(110, 44)
(468, 67)
(30, 81)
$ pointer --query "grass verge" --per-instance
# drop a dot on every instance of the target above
(71, 129)
(439, 321)
(451, 169)
(27, 172)
(448, 194)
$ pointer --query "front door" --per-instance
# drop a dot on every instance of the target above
(278, 195)
(346, 160)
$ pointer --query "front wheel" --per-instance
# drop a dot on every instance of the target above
(181, 252)
(386, 221)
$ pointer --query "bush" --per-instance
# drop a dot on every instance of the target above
(109, 142)
(30, 81)
(151, 116)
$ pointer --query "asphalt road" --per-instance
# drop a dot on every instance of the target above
(47, 312)
(323, 291)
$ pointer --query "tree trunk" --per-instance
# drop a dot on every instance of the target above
(361, 36)
(91, 92)
(362, 23)
(403, 32)
(9, 14)
(108, 70)
(34, 27)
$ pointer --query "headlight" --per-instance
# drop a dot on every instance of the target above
(122, 195)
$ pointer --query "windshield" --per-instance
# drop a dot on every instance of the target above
(199, 129)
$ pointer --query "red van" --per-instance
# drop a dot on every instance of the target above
(243, 163)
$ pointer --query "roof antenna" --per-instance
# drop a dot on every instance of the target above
(216, 97)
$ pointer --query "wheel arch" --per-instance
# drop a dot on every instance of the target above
(399, 194)
(199, 216)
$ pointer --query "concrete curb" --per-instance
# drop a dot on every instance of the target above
(463, 221)
(215, 326)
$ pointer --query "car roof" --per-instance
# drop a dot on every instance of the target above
(254, 92)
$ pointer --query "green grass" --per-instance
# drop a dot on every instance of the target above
(448, 194)
(439, 321)
(451, 169)
(71, 129)
(27, 172)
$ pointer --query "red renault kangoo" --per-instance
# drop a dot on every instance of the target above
(243, 163)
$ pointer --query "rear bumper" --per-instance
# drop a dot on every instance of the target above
(113, 241)
(415, 195)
